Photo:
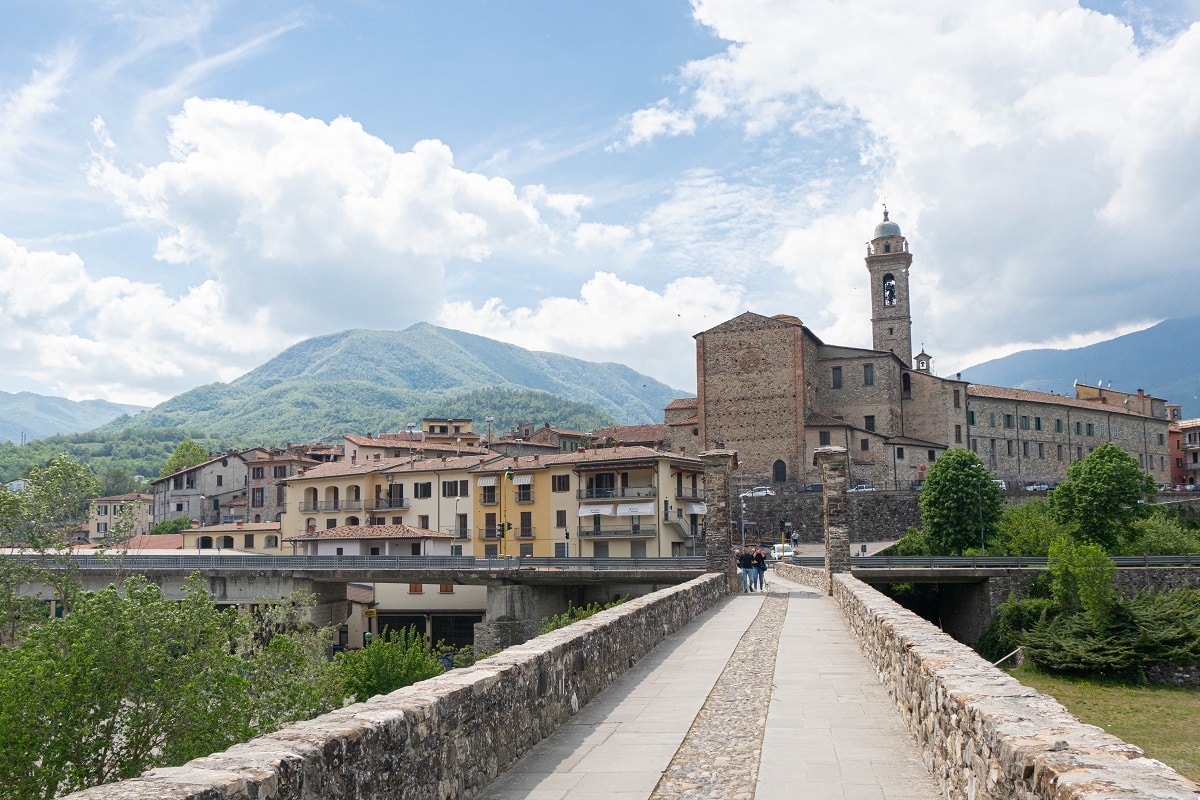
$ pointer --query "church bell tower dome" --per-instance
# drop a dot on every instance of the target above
(888, 260)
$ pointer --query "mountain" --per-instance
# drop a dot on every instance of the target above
(26, 416)
(362, 380)
(1162, 360)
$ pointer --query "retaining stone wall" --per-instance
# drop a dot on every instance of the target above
(446, 737)
(983, 734)
(870, 516)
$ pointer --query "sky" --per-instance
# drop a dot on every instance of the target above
(187, 188)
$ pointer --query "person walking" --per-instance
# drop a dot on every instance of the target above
(759, 561)
(746, 564)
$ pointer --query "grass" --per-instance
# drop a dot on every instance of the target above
(1161, 720)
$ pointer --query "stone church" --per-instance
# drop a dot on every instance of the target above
(771, 389)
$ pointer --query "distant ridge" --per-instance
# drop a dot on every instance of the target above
(35, 416)
(1164, 360)
(364, 380)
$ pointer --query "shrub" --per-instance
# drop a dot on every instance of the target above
(392, 661)
(1014, 618)
(574, 614)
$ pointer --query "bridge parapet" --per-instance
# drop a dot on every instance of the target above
(982, 733)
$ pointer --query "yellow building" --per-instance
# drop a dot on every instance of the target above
(606, 502)
(245, 537)
(106, 515)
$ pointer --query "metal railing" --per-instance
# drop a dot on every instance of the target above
(688, 493)
(380, 503)
(642, 492)
(988, 562)
(624, 531)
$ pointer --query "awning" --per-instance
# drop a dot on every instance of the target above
(486, 480)
(635, 509)
(588, 509)
(694, 508)
(522, 480)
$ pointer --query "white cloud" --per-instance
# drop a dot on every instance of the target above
(321, 226)
(658, 120)
(23, 110)
(611, 320)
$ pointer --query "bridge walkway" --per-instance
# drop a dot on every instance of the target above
(765, 696)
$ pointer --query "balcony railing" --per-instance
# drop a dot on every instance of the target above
(380, 503)
(461, 535)
(523, 533)
(618, 532)
(332, 505)
(308, 506)
(489, 534)
(523, 497)
(689, 493)
(616, 494)
(488, 500)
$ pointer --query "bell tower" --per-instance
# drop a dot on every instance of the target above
(888, 261)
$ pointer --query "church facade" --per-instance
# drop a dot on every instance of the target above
(771, 389)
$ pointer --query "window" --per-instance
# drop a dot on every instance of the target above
(837, 377)
(256, 497)
(958, 434)
(220, 480)
(414, 549)
(931, 455)
(454, 488)
(864, 444)
(423, 521)
(279, 471)
(1041, 450)
(970, 417)
(280, 494)
(1079, 453)
(416, 588)
(905, 385)
(992, 418)
(102, 510)
(1058, 426)
(868, 374)
(1024, 422)
(600, 550)
(1079, 429)
(271, 542)
(445, 588)
(331, 523)
(957, 398)
(423, 489)
(1060, 452)
(257, 472)
(560, 483)
(560, 549)
(339, 552)
(488, 498)
(1025, 449)
(1037, 423)
(101, 527)
(179, 506)
(1009, 443)
(560, 518)
(1091, 429)
(491, 550)
(526, 549)
(869, 422)
(248, 541)
(1008, 420)
(900, 453)
(1162, 439)
(823, 438)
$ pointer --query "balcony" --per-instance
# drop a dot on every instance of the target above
(618, 532)
(387, 503)
(695, 494)
(332, 505)
(461, 535)
(488, 500)
(617, 494)
(489, 534)
(523, 497)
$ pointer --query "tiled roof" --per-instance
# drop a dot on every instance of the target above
(681, 423)
(1027, 396)
(683, 402)
(632, 433)
(370, 532)
(158, 541)
(815, 419)
(128, 497)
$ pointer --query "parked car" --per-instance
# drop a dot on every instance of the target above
(759, 491)
(1037, 487)
(781, 551)
(862, 487)
(1003, 486)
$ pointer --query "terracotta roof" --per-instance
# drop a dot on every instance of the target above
(371, 532)
(681, 423)
(1029, 396)
(683, 402)
(361, 593)
(815, 419)
(128, 497)
(595, 455)
(632, 433)
(159, 541)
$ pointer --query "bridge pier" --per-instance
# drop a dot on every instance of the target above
(718, 522)
(834, 464)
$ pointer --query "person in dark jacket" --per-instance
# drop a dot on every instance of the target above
(759, 560)
(746, 564)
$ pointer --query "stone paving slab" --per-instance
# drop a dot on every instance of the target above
(830, 731)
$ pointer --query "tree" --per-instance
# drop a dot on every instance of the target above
(393, 661)
(960, 505)
(56, 499)
(132, 680)
(176, 525)
(187, 454)
(1027, 529)
(1103, 495)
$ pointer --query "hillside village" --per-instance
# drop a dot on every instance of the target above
(768, 388)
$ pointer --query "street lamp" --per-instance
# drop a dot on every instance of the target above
(410, 427)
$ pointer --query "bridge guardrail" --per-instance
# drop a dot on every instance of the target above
(135, 563)
(986, 562)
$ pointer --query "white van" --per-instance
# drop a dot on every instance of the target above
(781, 552)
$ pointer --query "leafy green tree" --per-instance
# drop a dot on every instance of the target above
(176, 525)
(1103, 494)
(1027, 529)
(187, 454)
(56, 499)
(1160, 534)
(131, 680)
(960, 506)
(1081, 579)
(397, 659)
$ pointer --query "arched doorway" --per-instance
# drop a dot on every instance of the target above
(779, 471)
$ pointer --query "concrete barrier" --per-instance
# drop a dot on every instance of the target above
(982, 733)
(447, 737)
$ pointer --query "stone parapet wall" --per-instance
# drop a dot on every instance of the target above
(446, 737)
(982, 733)
(809, 576)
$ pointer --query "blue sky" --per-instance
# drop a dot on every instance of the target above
(188, 188)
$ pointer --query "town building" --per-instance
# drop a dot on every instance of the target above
(771, 389)
(123, 515)
(603, 502)
(263, 538)
(1189, 456)
(204, 491)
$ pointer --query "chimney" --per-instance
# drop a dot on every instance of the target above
(241, 522)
